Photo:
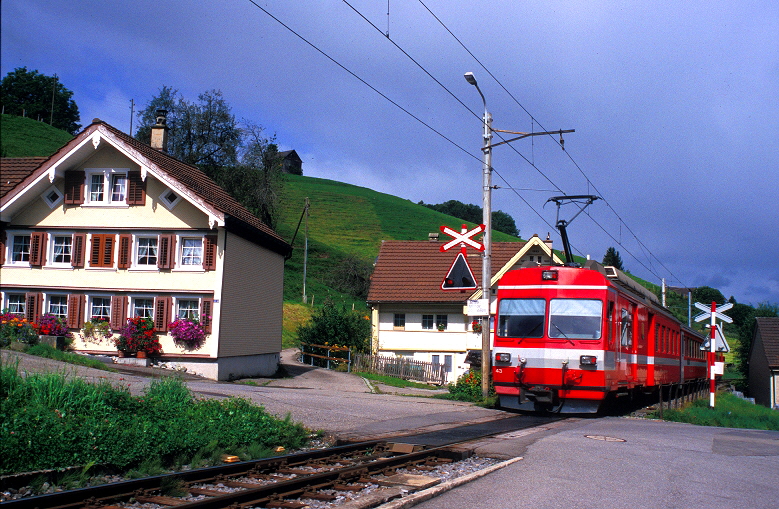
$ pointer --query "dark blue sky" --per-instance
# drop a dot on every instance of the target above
(675, 106)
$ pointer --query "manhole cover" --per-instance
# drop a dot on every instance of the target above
(604, 438)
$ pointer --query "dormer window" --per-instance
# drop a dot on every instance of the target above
(106, 187)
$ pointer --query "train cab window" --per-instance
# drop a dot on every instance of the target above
(521, 318)
(575, 318)
(626, 336)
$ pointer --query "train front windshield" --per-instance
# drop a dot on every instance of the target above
(575, 318)
(568, 318)
(521, 318)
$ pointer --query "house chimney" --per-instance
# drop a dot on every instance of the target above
(159, 132)
(548, 241)
(432, 237)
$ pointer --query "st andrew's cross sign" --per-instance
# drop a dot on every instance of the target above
(460, 276)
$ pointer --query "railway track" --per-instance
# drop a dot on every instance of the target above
(384, 469)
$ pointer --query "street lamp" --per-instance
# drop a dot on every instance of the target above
(486, 267)
(486, 260)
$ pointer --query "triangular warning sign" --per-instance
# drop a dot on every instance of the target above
(460, 276)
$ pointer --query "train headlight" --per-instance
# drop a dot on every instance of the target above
(588, 360)
(502, 357)
(549, 275)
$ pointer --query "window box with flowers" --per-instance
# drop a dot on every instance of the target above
(188, 333)
(97, 330)
(476, 326)
(53, 331)
(138, 336)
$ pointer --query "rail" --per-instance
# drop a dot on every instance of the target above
(322, 355)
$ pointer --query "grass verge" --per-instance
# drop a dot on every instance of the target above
(52, 421)
(396, 382)
(49, 352)
(729, 412)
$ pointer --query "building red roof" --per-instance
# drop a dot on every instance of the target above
(412, 271)
(237, 217)
(15, 169)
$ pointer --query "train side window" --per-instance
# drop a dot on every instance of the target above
(627, 328)
(521, 318)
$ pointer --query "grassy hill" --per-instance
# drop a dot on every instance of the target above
(347, 223)
(25, 137)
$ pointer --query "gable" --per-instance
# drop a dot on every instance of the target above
(102, 146)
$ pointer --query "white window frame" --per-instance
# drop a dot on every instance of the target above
(137, 265)
(7, 302)
(50, 250)
(180, 300)
(180, 265)
(133, 305)
(46, 196)
(109, 174)
(91, 303)
(61, 305)
(169, 204)
(9, 259)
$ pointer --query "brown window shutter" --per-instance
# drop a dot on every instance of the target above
(96, 250)
(108, 251)
(136, 189)
(38, 249)
(209, 252)
(166, 251)
(162, 306)
(125, 244)
(3, 238)
(207, 313)
(118, 311)
(79, 244)
(33, 306)
(76, 304)
(74, 187)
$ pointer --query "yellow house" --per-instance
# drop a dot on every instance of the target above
(412, 317)
(109, 227)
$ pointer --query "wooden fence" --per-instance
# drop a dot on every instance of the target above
(399, 367)
(326, 356)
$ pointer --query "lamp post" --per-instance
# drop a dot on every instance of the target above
(486, 266)
(486, 260)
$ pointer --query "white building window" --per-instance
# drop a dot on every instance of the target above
(191, 253)
(428, 323)
(146, 251)
(52, 196)
(61, 249)
(188, 308)
(106, 187)
(15, 303)
(100, 307)
(58, 306)
(143, 307)
(20, 249)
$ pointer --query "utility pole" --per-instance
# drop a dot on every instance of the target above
(132, 114)
(53, 89)
(305, 252)
(486, 269)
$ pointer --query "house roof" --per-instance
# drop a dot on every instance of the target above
(412, 271)
(768, 328)
(15, 169)
(189, 179)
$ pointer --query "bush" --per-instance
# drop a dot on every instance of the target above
(14, 328)
(468, 387)
(336, 325)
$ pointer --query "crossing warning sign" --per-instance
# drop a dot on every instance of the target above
(460, 275)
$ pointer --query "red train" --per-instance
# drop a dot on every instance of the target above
(569, 339)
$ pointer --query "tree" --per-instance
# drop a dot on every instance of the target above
(203, 133)
(37, 96)
(707, 295)
(336, 325)
(240, 159)
(612, 258)
(501, 221)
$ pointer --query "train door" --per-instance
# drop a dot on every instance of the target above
(651, 341)
(682, 354)
(625, 341)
